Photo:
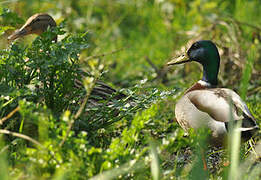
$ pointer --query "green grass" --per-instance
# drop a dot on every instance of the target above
(51, 136)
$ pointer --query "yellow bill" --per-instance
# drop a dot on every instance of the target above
(179, 60)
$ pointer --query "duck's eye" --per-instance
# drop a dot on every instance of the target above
(195, 46)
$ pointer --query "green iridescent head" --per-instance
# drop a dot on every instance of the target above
(206, 53)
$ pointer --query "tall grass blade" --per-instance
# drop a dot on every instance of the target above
(154, 166)
(234, 140)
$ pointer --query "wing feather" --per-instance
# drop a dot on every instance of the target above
(221, 104)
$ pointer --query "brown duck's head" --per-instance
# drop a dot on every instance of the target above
(36, 24)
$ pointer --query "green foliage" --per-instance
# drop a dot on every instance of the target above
(9, 17)
(136, 136)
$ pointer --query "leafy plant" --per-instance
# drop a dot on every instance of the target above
(53, 128)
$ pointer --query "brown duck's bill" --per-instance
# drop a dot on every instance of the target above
(179, 60)
(17, 34)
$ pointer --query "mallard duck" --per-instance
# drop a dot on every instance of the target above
(37, 24)
(205, 105)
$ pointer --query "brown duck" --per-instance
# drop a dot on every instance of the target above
(37, 24)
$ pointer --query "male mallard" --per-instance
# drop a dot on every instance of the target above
(205, 105)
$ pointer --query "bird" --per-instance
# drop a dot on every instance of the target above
(206, 105)
(38, 24)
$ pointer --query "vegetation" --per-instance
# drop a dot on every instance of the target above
(47, 129)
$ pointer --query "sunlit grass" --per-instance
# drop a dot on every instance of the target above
(119, 140)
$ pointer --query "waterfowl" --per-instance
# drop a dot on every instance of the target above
(205, 105)
(37, 24)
